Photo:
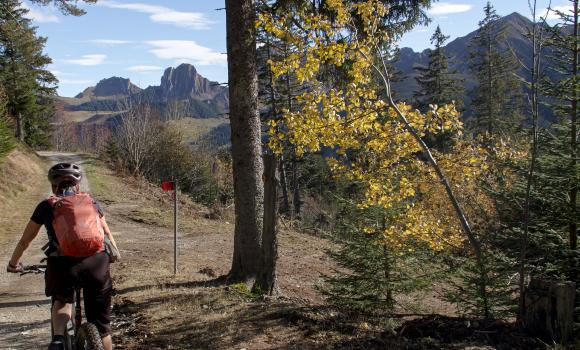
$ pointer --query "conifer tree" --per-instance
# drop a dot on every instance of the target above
(28, 85)
(437, 83)
(6, 138)
(496, 105)
(565, 90)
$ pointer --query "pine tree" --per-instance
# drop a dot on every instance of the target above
(370, 273)
(437, 83)
(565, 91)
(496, 106)
(6, 138)
(28, 85)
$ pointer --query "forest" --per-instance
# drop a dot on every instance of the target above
(463, 193)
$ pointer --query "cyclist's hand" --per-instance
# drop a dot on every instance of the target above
(19, 268)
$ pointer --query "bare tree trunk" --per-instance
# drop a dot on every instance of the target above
(19, 127)
(296, 201)
(267, 283)
(535, 70)
(573, 226)
(284, 184)
(246, 141)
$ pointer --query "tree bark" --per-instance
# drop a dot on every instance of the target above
(533, 94)
(573, 226)
(267, 283)
(246, 141)
(19, 127)
(296, 201)
(284, 184)
(550, 310)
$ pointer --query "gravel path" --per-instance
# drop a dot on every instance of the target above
(24, 309)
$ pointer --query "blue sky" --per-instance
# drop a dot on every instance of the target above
(139, 39)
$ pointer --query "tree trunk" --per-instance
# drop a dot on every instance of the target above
(267, 283)
(19, 127)
(550, 310)
(533, 94)
(297, 203)
(284, 184)
(573, 226)
(246, 141)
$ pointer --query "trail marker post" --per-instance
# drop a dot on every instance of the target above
(172, 186)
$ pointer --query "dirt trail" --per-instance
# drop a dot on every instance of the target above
(137, 215)
(24, 309)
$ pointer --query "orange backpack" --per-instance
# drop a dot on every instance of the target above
(77, 225)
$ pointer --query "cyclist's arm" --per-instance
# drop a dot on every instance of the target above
(29, 234)
(107, 232)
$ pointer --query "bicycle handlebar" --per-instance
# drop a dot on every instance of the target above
(35, 269)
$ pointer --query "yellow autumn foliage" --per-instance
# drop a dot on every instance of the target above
(372, 146)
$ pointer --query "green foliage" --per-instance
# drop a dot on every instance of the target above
(6, 139)
(497, 102)
(371, 274)
(7, 143)
(437, 84)
(65, 6)
(488, 293)
(203, 174)
(27, 84)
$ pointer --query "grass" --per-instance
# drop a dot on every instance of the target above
(22, 185)
(194, 129)
(143, 202)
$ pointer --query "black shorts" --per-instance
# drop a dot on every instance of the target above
(63, 272)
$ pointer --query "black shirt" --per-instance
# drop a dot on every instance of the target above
(43, 215)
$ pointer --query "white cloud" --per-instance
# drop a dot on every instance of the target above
(446, 8)
(162, 14)
(186, 51)
(566, 9)
(110, 41)
(144, 68)
(89, 60)
(38, 15)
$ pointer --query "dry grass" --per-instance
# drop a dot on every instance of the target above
(194, 129)
(23, 185)
(194, 309)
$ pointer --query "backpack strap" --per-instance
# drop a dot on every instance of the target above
(52, 201)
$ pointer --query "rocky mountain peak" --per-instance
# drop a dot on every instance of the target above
(115, 86)
(184, 82)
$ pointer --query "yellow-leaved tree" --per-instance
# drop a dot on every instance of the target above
(376, 141)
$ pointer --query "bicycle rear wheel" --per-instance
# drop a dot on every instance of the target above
(88, 338)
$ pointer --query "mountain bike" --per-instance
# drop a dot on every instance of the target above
(78, 335)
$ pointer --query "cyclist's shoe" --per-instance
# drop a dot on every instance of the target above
(57, 343)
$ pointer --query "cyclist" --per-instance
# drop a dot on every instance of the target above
(64, 269)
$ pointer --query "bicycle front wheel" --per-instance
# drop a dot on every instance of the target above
(88, 338)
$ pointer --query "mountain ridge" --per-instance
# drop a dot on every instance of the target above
(183, 84)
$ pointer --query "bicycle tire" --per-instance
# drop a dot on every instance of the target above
(88, 338)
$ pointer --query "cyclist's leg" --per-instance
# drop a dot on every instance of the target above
(59, 280)
(61, 314)
(97, 292)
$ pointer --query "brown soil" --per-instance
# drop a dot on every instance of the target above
(153, 309)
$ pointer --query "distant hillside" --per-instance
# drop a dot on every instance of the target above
(515, 27)
(183, 85)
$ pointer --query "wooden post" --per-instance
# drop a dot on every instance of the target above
(267, 282)
(549, 309)
(175, 228)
